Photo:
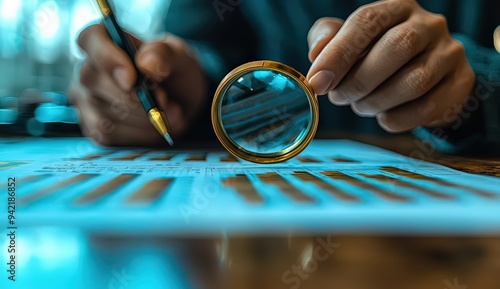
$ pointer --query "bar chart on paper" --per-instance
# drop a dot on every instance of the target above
(334, 186)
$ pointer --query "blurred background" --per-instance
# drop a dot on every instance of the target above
(39, 56)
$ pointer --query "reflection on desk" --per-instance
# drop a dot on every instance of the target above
(71, 259)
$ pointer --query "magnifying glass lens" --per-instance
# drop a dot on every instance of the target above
(264, 114)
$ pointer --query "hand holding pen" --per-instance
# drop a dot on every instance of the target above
(106, 96)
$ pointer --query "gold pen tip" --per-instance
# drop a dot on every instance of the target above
(104, 7)
(160, 122)
(169, 139)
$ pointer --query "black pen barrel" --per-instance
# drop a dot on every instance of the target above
(146, 98)
(119, 37)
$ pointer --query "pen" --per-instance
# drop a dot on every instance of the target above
(156, 116)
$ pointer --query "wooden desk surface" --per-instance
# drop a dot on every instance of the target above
(344, 262)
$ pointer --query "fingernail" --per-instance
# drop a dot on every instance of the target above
(121, 77)
(436, 123)
(317, 40)
(337, 97)
(321, 81)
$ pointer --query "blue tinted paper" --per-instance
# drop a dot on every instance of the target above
(334, 186)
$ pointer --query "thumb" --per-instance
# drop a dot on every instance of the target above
(323, 30)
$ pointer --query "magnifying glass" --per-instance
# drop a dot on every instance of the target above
(265, 112)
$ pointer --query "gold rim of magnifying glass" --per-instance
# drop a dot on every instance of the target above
(239, 151)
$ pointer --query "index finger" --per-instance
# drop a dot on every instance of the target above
(103, 53)
(357, 34)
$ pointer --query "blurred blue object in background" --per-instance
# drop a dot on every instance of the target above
(8, 109)
(53, 113)
(7, 116)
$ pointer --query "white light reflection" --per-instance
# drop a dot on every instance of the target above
(47, 21)
(142, 18)
(9, 23)
(9, 10)
(48, 256)
(83, 15)
(47, 24)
